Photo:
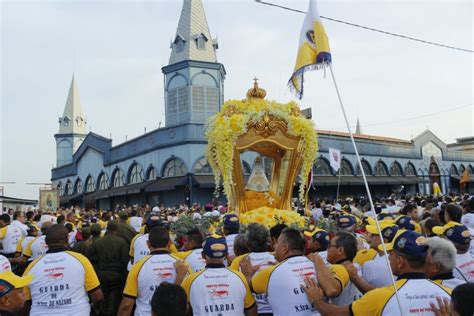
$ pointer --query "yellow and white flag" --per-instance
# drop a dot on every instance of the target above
(313, 50)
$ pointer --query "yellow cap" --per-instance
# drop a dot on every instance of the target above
(9, 281)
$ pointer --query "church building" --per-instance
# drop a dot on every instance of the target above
(167, 165)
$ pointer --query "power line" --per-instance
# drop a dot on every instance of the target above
(369, 28)
(415, 117)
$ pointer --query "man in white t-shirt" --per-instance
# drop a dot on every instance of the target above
(231, 226)
(441, 261)
(217, 290)
(282, 282)
(192, 253)
(135, 221)
(149, 272)
(63, 280)
(257, 239)
(460, 236)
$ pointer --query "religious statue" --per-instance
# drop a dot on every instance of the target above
(258, 181)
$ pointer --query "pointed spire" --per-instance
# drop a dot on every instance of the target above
(193, 40)
(358, 129)
(73, 119)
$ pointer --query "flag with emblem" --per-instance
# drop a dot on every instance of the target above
(313, 49)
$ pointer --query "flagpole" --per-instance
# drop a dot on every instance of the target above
(338, 183)
(366, 187)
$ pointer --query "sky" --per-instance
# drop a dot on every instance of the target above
(397, 88)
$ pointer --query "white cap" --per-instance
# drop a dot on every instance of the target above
(155, 209)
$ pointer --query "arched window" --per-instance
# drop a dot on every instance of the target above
(471, 169)
(151, 173)
(103, 181)
(346, 168)
(381, 169)
(202, 166)
(118, 178)
(60, 189)
(396, 169)
(461, 169)
(322, 167)
(90, 187)
(174, 167)
(410, 169)
(367, 168)
(136, 174)
(78, 186)
(68, 188)
(453, 170)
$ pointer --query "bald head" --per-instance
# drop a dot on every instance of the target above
(45, 227)
(56, 236)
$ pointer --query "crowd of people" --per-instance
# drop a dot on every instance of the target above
(417, 258)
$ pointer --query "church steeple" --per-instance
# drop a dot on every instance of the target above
(73, 120)
(358, 129)
(193, 40)
(72, 127)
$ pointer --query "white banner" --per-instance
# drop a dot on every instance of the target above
(335, 159)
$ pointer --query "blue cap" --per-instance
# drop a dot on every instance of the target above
(215, 247)
(455, 232)
(345, 221)
(231, 221)
(389, 232)
(320, 236)
(409, 243)
(153, 221)
(407, 223)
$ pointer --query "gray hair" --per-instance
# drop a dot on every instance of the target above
(442, 252)
(257, 238)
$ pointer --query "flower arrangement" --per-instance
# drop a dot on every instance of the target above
(271, 216)
(224, 128)
(259, 199)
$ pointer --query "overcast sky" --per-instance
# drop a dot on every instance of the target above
(120, 47)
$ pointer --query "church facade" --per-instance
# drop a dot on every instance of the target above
(167, 165)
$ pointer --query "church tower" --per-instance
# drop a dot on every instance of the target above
(194, 80)
(72, 127)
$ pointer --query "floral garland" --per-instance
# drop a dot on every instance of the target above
(225, 127)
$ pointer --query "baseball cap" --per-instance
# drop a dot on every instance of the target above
(455, 232)
(231, 221)
(389, 230)
(345, 221)
(153, 221)
(409, 243)
(9, 281)
(215, 247)
(405, 222)
(319, 235)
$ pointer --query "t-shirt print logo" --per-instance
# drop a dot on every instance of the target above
(303, 273)
(55, 276)
(163, 273)
(218, 290)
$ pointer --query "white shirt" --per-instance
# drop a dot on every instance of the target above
(60, 284)
(284, 284)
(140, 247)
(464, 267)
(349, 293)
(5, 265)
(20, 225)
(145, 276)
(376, 272)
(136, 222)
(10, 236)
(230, 243)
(217, 291)
(195, 260)
(36, 248)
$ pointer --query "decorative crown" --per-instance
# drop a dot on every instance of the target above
(256, 92)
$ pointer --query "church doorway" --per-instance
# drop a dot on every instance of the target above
(435, 176)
